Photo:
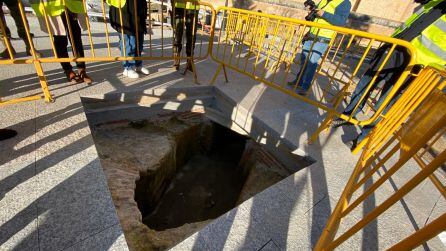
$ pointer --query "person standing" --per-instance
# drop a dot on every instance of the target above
(185, 14)
(329, 12)
(63, 16)
(15, 14)
(426, 30)
(134, 21)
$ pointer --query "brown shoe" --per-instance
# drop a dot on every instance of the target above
(84, 77)
(73, 77)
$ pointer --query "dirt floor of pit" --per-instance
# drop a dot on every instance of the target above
(205, 188)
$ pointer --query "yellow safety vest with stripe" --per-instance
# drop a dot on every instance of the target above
(329, 7)
(183, 4)
(56, 7)
(431, 43)
(116, 3)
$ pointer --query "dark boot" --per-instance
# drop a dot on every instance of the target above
(189, 66)
(7, 134)
(84, 77)
(176, 59)
(29, 53)
(72, 77)
(5, 54)
(28, 48)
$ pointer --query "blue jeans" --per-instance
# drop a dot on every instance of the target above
(317, 52)
(130, 50)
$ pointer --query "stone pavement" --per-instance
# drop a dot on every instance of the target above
(54, 196)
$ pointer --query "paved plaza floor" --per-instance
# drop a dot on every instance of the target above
(54, 195)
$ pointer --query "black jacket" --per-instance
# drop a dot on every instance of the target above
(128, 17)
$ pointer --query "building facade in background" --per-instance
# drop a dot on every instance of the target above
(377, 16)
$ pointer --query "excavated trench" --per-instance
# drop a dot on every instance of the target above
(170, 176)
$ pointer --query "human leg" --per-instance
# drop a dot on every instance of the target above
(178, 31)
(127, 44)
(5, 53)
(319, 48)
(138, 63)
(20, 24)
(76, 43)
(60, 44)
(191, 31)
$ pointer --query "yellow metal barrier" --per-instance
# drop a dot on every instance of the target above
(159, 28)
(265, 47)
(412, 127)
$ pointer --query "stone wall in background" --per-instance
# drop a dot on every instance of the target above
(377, 16)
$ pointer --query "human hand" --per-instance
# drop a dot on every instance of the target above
(319, 13)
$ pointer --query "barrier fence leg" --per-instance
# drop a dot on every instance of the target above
(194, 70)
(216, 74)
(226, 75)
(220, 67)
(43, 83)
(325, 125)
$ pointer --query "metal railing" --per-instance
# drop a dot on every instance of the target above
(266, 48)
(410, 129)
(162, 49)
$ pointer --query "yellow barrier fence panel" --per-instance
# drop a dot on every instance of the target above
(158, 42)
(270, 46)
(410, 130)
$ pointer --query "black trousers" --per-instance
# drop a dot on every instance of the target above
(15, 13)
(185, 18)
(388, 76)
(61, 42)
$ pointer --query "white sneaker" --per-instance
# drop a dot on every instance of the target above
(142, 70)
(130, 73)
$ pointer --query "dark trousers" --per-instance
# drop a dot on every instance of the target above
(15, 13)
(389, 75)
(61, 42)
(185, 18)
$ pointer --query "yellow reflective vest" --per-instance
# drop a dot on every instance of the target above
(116, 3)
(329, 7)
(187, 4)
(56, 7)
(431, 43)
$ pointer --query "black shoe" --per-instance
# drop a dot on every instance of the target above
(5, 54)
(29, 53)
(340, 122)
(7, 134)
(352, 144)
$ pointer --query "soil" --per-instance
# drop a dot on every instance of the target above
(170, 176)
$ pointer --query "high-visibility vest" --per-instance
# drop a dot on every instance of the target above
(425, 8)
(116, 3)
(431, 43)
(193, 5)
(56, 7)
(329, 7)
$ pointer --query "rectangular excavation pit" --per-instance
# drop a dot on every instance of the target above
(173, 172)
